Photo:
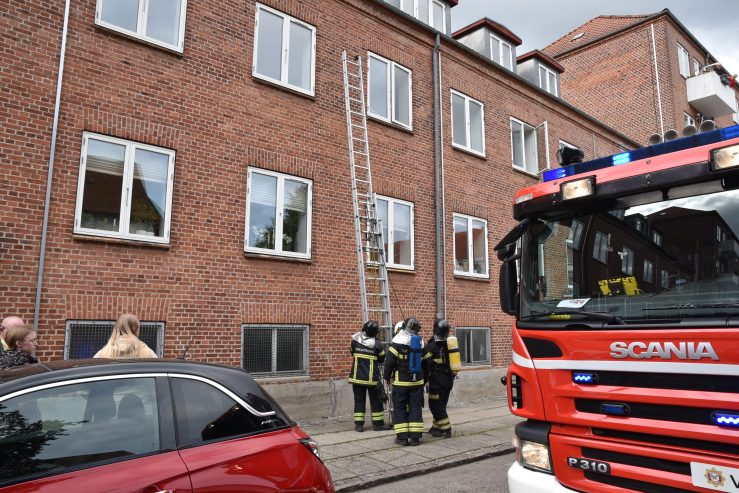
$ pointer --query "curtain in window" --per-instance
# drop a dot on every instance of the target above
(300, 53)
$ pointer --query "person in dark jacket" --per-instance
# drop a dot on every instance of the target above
(21, 340)
(441, 379)
(367, 356)
(407, 385)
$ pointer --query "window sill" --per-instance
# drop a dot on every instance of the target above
(271, 256)
(277, 85)
(390, 124)
(528, 173)
(400, 270)
(132, 37)
(469, 151)
(285, 379)
(476, 366)
(121, 241)
(471, 278)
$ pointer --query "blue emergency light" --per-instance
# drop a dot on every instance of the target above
(584, 377)
(643, 153)
(726, 419)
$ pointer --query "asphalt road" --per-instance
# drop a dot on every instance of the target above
(487, 475)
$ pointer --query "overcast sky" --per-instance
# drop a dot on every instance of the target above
(715, 23)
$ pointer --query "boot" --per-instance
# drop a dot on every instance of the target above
(401, 441)
(436, 432)
(359, 427)
(382, 427)
(415, 442)
(446, 433)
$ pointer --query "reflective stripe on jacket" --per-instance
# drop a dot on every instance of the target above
(365, 370)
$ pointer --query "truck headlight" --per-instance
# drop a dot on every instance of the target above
(533, 455)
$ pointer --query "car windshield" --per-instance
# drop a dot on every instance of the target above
(664, 259)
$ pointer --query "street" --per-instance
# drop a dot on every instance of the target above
(485, 475)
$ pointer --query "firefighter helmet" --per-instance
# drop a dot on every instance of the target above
(441, 328)
(370, 328)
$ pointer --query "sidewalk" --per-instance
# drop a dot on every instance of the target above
(357, 461)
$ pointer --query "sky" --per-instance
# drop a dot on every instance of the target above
(715, 23)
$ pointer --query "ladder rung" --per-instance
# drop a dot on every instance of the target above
(353, 63)
(377, 310)
(354, 75)
(357, 100)
(375, 279)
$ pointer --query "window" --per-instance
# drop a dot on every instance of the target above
(664, 279)
(84, 338)
(158, 22)
(524, 147)
(600, 247)
(648, 271)
(470, 246)
(390, 94)
(429, 12)
(639, 225)
(657, 238)
(688, 120)
(278, 214)
(684, 61)
(397, 230)
(204, 414)
(576, 230)
(696, 67)
(548, 80)
(61, 428)
(468, 123)
(275, 350)
(284, 50)
(501, 52)
(474, 345)
(627, 261)
(124, 190)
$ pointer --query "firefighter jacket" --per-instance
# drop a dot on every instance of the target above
(440, 370)
(397, 364)
(367, 353)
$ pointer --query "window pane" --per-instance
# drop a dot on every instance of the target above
(459, 123)
(402, 94)
(407, 6)
(495, 50)
(506, 56)
(517, 142)
(552, 83)
(295, 217)
(461, 260)
(290, 349)
(479, 253)
(532, 155)
(258, 350)
(379, 89)
(543, 78)
(402, 234)
(262, 211)
(101, 197)
(438, 16)
(382, 215)
(163, 21)
(423, 10)
(479, 351)
(121, 13)
(476, 127)
(300, 56)
(149, 193)
(269, 49)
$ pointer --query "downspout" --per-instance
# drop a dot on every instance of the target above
(47, 201)
(440, 311)
(656, 76)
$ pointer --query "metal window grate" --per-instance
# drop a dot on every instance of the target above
(474, 345)
(84, 338)
(274, 350)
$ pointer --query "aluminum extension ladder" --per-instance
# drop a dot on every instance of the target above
(373, 279)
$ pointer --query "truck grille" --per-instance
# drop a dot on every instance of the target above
(637, 460)
(685, 443)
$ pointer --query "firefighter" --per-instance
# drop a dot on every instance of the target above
(368, 353)
(441, 379)
(407, 363)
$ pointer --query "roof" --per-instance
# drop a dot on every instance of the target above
(496, 27)
(542, 57)
(597, 28)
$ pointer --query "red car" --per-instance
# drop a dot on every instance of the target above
(148, 426)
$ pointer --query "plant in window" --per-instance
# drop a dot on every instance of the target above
(144, 217)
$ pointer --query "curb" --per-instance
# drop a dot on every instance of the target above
(423, 470)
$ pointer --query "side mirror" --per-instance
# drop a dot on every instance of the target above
(508, 287)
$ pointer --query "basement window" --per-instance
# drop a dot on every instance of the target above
(474, 345)
(158, 22)
(272, 350)
(84, 338)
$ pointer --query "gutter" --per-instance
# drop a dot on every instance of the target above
(49, 178)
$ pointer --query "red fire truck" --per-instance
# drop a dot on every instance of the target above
(623, 276)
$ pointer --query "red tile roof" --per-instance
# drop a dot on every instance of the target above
(599, 27)
(499, 29)
(543, 57)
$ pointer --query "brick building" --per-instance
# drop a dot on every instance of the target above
(197, 176)
(643, 74)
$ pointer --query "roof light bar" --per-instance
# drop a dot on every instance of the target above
(621, 158)
(726, 419)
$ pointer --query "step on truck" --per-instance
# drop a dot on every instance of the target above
(623, 277)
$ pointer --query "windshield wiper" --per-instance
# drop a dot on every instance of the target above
(594, 315)
(691, 306)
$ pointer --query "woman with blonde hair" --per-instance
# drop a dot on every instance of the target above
(21, 340)
(124, 342)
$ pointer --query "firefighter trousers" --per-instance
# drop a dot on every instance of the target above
(440, 387)
(360, 401)
(407, 416)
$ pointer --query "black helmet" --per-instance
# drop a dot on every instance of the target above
(412, 325)
(441, 328)
(370, 328)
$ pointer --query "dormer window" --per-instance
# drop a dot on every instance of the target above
(548, 80)
(431, 12)
(501, 52)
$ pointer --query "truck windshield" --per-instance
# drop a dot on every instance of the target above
(663, 260)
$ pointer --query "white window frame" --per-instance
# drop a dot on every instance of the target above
(430, 21)
(389, 255)
(468, 128)
(545, 84)
(470, 247)
(600, 247)
(683, 59)
(499, 58)
(688, 120)
(279, 205)
(127, 178)
(287, 20)
(140, 32)
(274, 373)
(390, 97)
(525, 168)
(627, 261)
(648, 269)
(443, 14)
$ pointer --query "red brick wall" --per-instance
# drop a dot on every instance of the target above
(206, 105)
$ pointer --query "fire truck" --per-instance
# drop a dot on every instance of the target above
(633, 388)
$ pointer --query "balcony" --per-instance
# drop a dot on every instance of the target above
(707, 94)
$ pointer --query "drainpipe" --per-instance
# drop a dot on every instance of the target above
(55, 127)
(656, 77)
(438, 179)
